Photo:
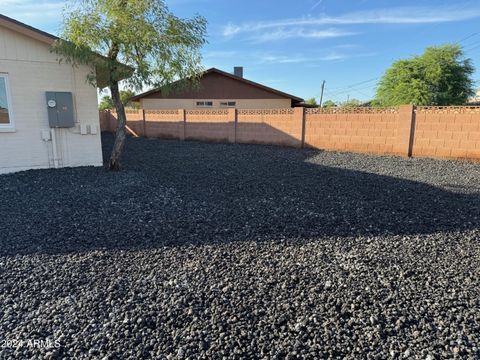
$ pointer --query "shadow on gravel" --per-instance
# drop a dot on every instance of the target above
(175, 193)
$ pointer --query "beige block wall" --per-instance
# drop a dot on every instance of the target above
(32, 70)
(154, 104)
(277, 126)
(447, 133)
(368, 132)
(443, 132)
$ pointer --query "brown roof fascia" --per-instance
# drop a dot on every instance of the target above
(36, 34)
(27, 30)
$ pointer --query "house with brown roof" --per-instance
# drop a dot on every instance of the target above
(218, 89)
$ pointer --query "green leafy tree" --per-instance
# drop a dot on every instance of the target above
(311, 101)
(351, 103)
(329, 104)
(441, 76)
(106, 103)
(125, 95)
(141, 42)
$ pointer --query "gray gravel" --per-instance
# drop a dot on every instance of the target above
(237, 251)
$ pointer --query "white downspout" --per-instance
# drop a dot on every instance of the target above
(54, 147)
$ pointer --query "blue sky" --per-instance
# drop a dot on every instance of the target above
(294, 45)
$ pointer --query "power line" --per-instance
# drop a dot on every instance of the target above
(469, 36)
(356, 84)
(334, 97)
(475, 47)
(352, 89)
(340, 99)
(358, 90)
(363, 94)
(474, 52)
(472, 43)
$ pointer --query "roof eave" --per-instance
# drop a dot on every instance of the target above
(27, 30)
(46, 38)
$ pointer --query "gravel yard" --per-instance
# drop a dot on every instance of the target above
(240, 251)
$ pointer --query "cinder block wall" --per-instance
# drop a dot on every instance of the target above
(365, 130)
(448, 132)
(209, 125)
(164, 124)
(275, 126)
(445, 132)
(135, 121)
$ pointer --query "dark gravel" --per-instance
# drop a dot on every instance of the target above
(235, 251)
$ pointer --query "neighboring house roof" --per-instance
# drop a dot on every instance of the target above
(209, 91)
(39, 35)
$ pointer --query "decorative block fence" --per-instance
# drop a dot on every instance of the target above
(444, 132)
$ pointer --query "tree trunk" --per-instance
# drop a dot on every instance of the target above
(120, 136)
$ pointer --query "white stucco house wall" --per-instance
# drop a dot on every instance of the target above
(27, 71)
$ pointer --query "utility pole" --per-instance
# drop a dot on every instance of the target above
(321, 94)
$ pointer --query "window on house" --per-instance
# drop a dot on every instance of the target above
(205, 103)
(5, 103)
(228, 103)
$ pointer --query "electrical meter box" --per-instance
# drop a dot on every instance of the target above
(60, 109)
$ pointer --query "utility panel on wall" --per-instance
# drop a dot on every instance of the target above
(60, 109)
